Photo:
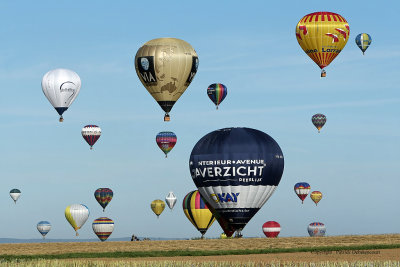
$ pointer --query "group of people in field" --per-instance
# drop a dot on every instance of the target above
(135, 238)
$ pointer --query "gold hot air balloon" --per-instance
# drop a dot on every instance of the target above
(157, 206)
(166, 67)
(322, 35)
(316, 196)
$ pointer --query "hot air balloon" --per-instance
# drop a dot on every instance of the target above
(43, 227)
(157, 206)
(316, 229)
(318, 120)
(103, 227)
(271, 229)
(363, 40)
(91, 133)
(61, 86)
(302, 189)
(197, 212)
(322, 36)
(236, 170)
(166, 141)
(166, 67)
(316, 196)
(217, 93)
(15, 194)
(103, 196)
(76, 215)
(170, 199)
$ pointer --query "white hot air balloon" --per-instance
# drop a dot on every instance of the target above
(43, 227)
(77, 215)
(316, 229)
(15, 194)
(170, 199)
(61, 86)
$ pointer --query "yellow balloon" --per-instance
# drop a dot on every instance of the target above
(197, 212)
(322, 35)
(157, 206)
(166, 67)
(316, 196)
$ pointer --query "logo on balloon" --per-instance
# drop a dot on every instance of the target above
(67, 87)
(225, 197)
(145, 63)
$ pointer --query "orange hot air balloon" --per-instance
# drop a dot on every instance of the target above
(316, 196)
(322, 35)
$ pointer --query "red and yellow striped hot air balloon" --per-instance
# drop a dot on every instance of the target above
(316, 196)
(197, 212)
(322, 35)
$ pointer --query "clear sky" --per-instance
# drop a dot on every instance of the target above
(250, 46)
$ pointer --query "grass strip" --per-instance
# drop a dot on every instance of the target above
(176, 253)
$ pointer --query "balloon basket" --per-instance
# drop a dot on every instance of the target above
(76, 234)
(91, 148)
(323, 73)
(167, 117)
(61, 119)
(217, 107)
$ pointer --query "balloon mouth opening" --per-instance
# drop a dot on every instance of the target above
(167, 117)
(61, 119)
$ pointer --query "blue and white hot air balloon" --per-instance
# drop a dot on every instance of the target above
(43, 227)
(236, 170)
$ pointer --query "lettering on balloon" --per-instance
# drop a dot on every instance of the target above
(330, 50)
(241, 170)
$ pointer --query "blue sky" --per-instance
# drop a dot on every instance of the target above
(272, 86)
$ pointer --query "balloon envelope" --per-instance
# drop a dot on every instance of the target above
(103, 227)
(316, 229)
(77, 215)
(302, 189)
(61, 87)
(157, 206)
(170, 199)
(197, 212)
(318, 120)
(322, 36)
(271, 229)
(363, 40)
(316, 196)
(166, 141)
(166, 67)
(217, 93)
(236, 170)
(43, 227)
(91, 133)
(103, 196)
(15, 194)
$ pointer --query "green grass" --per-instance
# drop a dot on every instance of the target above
(175, 253)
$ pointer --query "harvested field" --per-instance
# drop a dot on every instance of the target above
(198, 245)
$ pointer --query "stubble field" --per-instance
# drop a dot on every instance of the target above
(255, 250)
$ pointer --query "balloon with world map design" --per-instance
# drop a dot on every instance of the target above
(166, 67)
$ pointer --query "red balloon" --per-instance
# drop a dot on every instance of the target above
(271, 229)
